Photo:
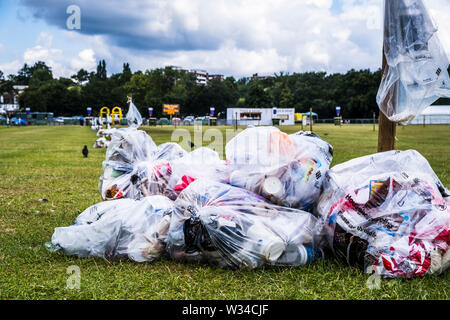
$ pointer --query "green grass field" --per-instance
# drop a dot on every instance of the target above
(46, 162)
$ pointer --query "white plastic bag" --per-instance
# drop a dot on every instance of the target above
(124, 228)
(134, 118)
(135, 167)
(387, 213)
(416, 71)
(199, 163)
(232, 227)
(288, 170)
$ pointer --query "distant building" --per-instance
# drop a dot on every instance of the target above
(256, 77)
(202, 76)
(260, 116)
(19, 90)
(215, 76)
(9, 101)
(178, 68)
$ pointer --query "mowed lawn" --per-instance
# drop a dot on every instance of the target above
(46, 162)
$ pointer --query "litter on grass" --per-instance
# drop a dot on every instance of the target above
(387, 213)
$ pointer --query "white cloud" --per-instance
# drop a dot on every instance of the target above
(61, 63)
(10, 67)
(85, 60)
(45, 39)
(232, 37)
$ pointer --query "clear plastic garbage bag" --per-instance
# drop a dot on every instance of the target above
(135, 167)
(234, 228)
(387, 213)
(199, 163)
(288, 170)
(134, 118)
(416, 71)
(120, 229)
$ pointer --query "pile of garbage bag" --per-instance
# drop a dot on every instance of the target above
(386, 213)
(416, 73)
(274, 201)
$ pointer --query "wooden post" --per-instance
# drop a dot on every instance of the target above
(235, 123)
(374, 121)
(310, 119)
(424, 121)
(386, 128)
(301, 121)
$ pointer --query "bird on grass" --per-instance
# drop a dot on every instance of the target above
(85, 151)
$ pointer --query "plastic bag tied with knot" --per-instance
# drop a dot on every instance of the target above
(134, 118)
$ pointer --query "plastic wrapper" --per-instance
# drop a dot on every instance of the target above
(102, 142)
(288, 170)
(416, 71)
(106, 133)
(120, 229)
(387, 213)
(234, 228)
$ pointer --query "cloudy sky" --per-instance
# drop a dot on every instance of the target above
(231, 37)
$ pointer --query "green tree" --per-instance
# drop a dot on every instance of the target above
(101, 70)
(286, 98)
(257, 96)
(81, 76)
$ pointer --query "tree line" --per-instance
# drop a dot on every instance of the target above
(355, 91)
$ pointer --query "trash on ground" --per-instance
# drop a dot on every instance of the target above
(233, 227)
(288, 170)
(120, 229)
(387, 213)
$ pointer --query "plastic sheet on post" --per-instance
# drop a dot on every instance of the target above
(124, 228)
(288, 170)
(387, 213)
(416, 71)
(231, 227)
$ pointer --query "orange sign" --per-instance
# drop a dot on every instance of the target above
(171, 109)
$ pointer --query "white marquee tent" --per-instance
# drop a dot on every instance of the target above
(434, 115)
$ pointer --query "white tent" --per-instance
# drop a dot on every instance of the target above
(4, 108)
(434, 115)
